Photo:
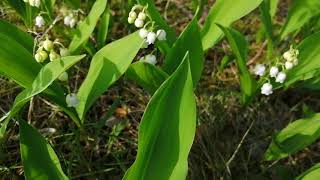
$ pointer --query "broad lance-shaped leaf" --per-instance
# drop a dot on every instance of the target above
(38, 158)
(103, 28)
(85, 29)
(45, 78)
(239, 46)
(311, 174)
(224, 12)
(16, 34)
(190, 41)
(146, 75)
(167, 130)
(18, 64)
(309, 60)
(300, 13)
(106, 67)
(296, 136)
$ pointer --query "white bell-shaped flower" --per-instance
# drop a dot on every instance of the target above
(72, 100)
(281, 77)
(142, 16)
(151, 38)
(73, 22)
(139, 23)
(143, 33)
(161, 35)
(259, 69)
(37, 3)
(288, 65)
(39, 21)
(64, 76)
(32, 2)
(150, 58)
(130, 20)
(67, 20)
(273, 71)
(266, 89)
(133, 15)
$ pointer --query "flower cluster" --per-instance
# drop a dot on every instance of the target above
(34, 3)
(70, 20)
(277, 71)
(46, 49)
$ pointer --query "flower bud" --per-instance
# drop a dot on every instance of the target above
(151, 38)
(161, 35)
(53, 56)
(143, 33)
(38, 58)
(151, 59)
(273, 71)
(139, 23)
(73, 22)
(142, 16)
(266, 89)
(64, 76)
(39, 21)
(133, 15)
(281, 77)
(37, 3)
(288, 56)
(48, 45)
(32, 2)
(288, 65)
(72, 100)
(64, 52)
(130, 20)
(44, 55)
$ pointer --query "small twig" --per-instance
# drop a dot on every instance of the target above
(166, 9)
(30, 110)
(238, 147)
(260, 51)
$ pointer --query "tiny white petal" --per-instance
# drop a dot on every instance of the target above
(161, 35)
(73, 22)
(37, 3)
(281, 77)
(288, 65)
(151, 38)
(259, 69)
(143, 33)
(72, 100)
(151, 59)
(274, 71)
(67, 20)
(139, 23)
(39, 21)
(266, 89)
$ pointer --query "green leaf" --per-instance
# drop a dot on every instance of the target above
(85, 29)
(190, 41)
(266, 18)
(74, 3)
(294, 137)
(106, 67)
(38, 158)
(103, 28)
(167, 130)
(309, 59)
(45, 78)
(239, 46)
(25, 11)
(49, 7)
(16, 34)
(273, 7)
(311, 174)
(224, 12)
(146, 75)
(300, 13)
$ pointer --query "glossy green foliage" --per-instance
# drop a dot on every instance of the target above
(44, 79)
(146, 75)
(17, 35)
(38, 158)
(311, 174)
(87, 26)
(294, 137)
(300, 12)
(224, 12)
(106, 67)
(190, 41)
(309, 60)
(239, 46)
(167, 130)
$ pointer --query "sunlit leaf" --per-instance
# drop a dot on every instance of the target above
(106, 67)
(38, 158)
(167, 130)
(294, 137)
(87, 26)
(311, 174)
(224, 12)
